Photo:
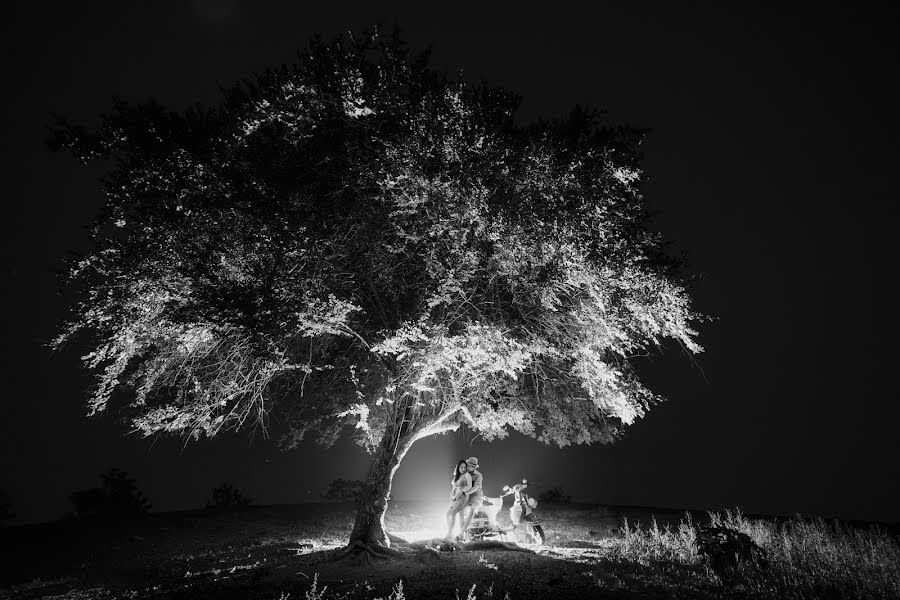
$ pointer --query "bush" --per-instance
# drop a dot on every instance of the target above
(119, 497)
(344, 490)
(554, 496)
(728, 552)
(227, 496)
(6, 512)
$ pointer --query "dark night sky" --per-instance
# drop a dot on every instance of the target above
(773, 160)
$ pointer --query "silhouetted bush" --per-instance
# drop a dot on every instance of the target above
(554, 496)
(118, 497)
(227, 496)
(344, 490)
(6, 512)
(726, 551)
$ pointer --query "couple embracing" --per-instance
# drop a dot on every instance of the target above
(465, 495)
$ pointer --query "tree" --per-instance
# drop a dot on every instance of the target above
(554, 495)
(344, 490)
(226, 496)
(359, 244)
(119, 497)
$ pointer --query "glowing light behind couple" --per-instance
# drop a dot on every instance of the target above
(424, 478)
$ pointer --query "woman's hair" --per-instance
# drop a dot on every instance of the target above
(456, 473)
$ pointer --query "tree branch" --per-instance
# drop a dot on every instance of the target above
(441, 424)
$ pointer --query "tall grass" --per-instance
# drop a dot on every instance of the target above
(808, 557)
(817, 557)
(660, 544)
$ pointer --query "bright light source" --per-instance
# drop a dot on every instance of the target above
(429, 524)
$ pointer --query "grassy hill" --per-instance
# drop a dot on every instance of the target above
(280, 552)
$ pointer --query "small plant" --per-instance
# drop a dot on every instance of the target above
(119, 496)
(227, 496)
(344, 490)
(313, 593)
(483, 561)
(471, 594)
(397, 592)
(554, 496)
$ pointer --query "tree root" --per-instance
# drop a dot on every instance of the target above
(436, 544)
(396, 539)
(426, 554)
(495, 545)
(444, 545)
(360, 552)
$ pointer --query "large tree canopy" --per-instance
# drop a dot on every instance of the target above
(358, 243)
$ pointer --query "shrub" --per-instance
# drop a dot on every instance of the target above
(119, 496)
(728, 552)
(6, 512)
(227, 496)
(344, 490)
(554, 496)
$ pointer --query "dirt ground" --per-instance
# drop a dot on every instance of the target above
(276, 552)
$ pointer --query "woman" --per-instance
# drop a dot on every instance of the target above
(460, 484)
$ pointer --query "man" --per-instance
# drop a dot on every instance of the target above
(475, 495)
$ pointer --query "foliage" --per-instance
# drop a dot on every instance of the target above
(554, 496)
(344, 490)
(227, 496)
(356, 240)
(119, 496)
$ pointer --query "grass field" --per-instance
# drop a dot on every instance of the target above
(281, 552)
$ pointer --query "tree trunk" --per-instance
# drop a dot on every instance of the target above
(369, 526)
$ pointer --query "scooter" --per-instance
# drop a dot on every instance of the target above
(521, 514)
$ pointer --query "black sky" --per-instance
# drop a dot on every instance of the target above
(772, 160)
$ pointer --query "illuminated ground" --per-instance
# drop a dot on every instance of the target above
(276, 551)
